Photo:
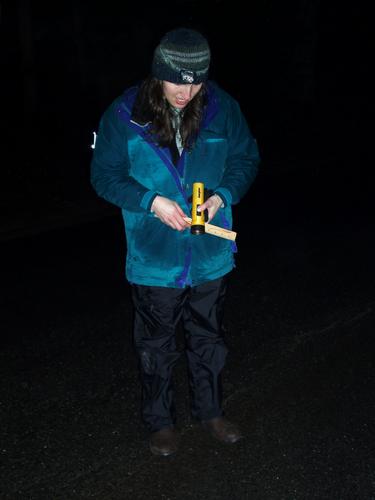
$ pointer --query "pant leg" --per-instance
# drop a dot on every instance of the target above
(205, 347)
(157, 313)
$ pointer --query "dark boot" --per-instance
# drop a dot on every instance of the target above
(164, 442)
(221, 429)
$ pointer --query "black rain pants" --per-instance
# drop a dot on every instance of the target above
(158, 311)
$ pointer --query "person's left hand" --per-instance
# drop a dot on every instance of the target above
(212, 205)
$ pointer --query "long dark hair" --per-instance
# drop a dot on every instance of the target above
(151, 106)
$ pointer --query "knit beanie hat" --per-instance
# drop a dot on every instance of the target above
(182, 56)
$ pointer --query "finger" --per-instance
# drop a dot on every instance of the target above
(177, 222)
(180, 211)
(179, 226)
(211, 212)
(206, 205)
(180, 217)
(182, 224)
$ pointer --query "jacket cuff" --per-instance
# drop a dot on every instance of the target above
(224, 195)
(148, 199)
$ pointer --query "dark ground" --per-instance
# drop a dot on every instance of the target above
(299, 379)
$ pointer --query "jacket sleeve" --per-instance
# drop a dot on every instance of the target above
(243, 158)
(110, 176)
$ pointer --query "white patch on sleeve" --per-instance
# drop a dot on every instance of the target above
(93, 144)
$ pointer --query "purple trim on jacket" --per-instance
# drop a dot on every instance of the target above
(181, 164)
(182, 280)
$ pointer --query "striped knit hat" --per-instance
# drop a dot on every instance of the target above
(183, 56)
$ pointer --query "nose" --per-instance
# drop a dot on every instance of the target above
(186, 91)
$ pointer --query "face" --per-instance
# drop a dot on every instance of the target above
(179, 95)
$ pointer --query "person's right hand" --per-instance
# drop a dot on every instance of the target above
(169, 212)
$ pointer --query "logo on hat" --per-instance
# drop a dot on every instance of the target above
(187, 76)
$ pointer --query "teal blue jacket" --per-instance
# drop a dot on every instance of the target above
(128, 171)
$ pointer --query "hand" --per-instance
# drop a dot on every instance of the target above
(169, 212)
(212, 205)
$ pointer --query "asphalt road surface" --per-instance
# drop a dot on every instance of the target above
(299, 380)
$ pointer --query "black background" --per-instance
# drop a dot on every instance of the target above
(300, 70)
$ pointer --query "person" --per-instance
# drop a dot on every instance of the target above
(176, 127)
